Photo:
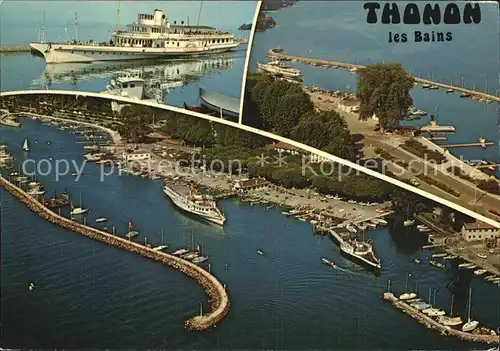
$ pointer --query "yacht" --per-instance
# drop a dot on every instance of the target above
(78, 210)
(200, 259)
(450, 321)
(180, 252)
(152, 36)
(36, 191)
(480, 271)
(471, 324)
(436, 264)
(408, 222)
(277, 67)
(187, 199)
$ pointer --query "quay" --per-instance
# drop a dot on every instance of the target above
(432, 324)
(13, 49)
(318, 62)
(218, 297)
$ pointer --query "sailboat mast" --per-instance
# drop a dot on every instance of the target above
(406, 284)
(468, 308)
(452, 303)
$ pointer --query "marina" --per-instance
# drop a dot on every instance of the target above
(92, 296)
(486, 338)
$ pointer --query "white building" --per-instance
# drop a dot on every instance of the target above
(479, 231)
(315, 158)
(250, 184)
(136, 156)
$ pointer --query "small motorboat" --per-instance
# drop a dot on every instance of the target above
(480, 271)
(259, 252)
(31, 286)
(132, 234)
(436, 264)
(416, 260)
(101, 219)
(481, 255)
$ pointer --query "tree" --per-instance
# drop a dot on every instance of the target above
(384, 90)
(274, 110)
(326, 131)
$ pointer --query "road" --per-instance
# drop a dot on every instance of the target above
(471, 197)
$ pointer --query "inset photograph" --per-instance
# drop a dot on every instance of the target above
(357, 81)
(185, 54)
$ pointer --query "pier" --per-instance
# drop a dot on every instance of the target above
(432, 324)
(318, 62)
(218, 297)
(483, 145)
(13, 49)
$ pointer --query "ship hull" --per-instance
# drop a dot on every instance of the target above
(182, 206)
(362, 261)
(67, 53)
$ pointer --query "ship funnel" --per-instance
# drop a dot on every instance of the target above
(158, 17)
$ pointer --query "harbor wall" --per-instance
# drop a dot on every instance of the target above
(308, 60)
(219, 299)
(432, 324)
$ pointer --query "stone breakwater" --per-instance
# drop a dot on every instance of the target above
(432, 324)
(218, 297)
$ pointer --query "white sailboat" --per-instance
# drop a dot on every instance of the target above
(407, 295)
(26, 145)
(78, 210)
(470, 325)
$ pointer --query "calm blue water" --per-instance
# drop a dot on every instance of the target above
(90, 295)
(337, 30)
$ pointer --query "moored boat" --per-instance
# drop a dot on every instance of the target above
(187, 199)
(152, 36)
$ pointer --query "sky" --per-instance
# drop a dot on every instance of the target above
(59, 13)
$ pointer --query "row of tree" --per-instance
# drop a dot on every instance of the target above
(285, 109)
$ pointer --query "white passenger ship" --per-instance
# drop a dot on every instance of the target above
(186, 199)
(152, 36)
(280, 68)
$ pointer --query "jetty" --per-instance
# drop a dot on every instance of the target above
(219, 299)
(483, 145)
(273, 53)
(13, 49)
(433, 324)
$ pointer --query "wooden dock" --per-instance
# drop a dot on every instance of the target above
(218, 297)
(318, 62)
(433, 324)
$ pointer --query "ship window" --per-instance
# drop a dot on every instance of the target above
(132, 85)
(72, 52)
(177, 43)
(125, 85)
